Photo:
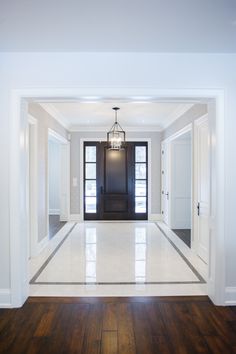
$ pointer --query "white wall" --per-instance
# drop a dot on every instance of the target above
(197, 111)
(54, 177)
(120, 70)
(45, 121)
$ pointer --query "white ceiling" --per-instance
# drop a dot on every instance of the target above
(85, 116)
(118, 25)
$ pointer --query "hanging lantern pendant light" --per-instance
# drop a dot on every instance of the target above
(116, 135)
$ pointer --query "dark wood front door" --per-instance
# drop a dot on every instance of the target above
(115, 182)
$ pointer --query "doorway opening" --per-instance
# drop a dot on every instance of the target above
(19, 215)
(54, 186)
(115, 182)
(186, 186)
(181, 187)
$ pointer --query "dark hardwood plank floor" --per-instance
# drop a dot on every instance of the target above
(125, 325)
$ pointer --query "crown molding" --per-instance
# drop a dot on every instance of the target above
(89, 128)
(50, 109)
(178, 112)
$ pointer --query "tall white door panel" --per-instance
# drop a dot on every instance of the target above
(202, 191)
(165, 182)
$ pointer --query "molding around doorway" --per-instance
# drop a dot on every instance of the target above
(19, 285)
(82, 140)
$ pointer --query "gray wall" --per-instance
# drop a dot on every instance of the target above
(155, 166)
(54, 176)
(188, 117)
(45, 121)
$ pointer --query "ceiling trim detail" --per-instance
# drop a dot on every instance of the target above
(50, 109)
(147, 128)
(180, 110)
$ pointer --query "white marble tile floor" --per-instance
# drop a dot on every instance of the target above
(117, 259)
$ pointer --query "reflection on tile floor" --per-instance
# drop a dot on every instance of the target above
(113, 258)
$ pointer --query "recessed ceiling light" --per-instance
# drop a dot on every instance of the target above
(141, 102)
(141, 98)
(90, 98)
(88, 102)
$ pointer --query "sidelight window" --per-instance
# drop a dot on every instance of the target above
(140, 179)
(90, 180)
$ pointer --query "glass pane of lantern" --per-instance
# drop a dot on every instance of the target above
(116, 139)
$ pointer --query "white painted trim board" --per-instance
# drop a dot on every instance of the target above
(18, 215)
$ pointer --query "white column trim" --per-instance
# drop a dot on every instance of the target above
(5, 298)
(18, 214)
(230, 296)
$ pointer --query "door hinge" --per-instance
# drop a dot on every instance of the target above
(162, 212)
(162, 152)
(162, 172)
(198, 208)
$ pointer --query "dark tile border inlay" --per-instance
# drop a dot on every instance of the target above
(35, 277)
(33, 280)
(201, 280)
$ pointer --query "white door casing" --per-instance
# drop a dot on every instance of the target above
(32, 191)
(65, 183)
(18, 212)
(165, 182)
(201, 187)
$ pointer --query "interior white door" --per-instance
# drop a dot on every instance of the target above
(65, 182)
(165, 182)
(202, 192)
(180, 183)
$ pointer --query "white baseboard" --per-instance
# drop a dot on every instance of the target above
(5, 298)
(230, 296)
(42, 244)
(54, 211)
(63, 218)
(75, 217)
(155, 217)
(151, 217)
